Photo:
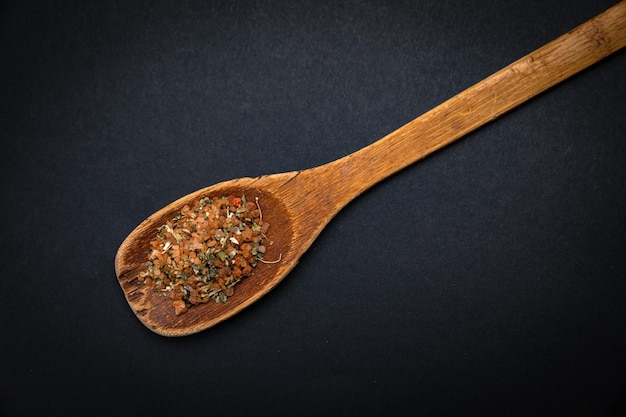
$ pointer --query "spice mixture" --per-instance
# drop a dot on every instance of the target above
(200, 254)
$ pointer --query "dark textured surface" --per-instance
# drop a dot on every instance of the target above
(489, 279)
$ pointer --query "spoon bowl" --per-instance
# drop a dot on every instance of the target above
(299, 204)
(156, 311)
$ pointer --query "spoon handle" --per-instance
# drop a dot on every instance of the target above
(479, 104)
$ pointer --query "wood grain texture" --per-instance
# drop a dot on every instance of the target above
(299, 204)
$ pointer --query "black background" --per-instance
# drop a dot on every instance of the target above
(488, 279)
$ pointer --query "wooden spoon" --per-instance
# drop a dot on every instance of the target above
(299, 204)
